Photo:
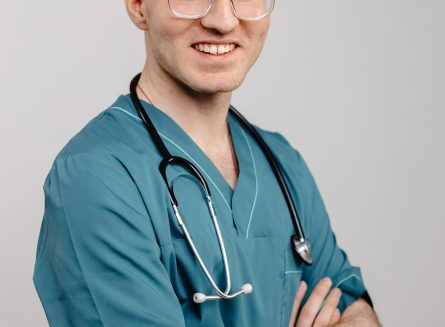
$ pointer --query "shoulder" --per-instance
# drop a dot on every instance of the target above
(106, 147)
(288, 156)
(112, 140)
(293, 165)
(108, 133)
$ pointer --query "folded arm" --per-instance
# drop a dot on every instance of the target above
(359, 313)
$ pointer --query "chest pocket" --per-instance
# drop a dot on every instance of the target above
(292, 277)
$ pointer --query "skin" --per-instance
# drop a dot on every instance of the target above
(195, 91)
(313, 313)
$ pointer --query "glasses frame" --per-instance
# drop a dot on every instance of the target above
(209, 5)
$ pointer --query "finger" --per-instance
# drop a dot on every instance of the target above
(297, 301)
(310, 309)
(335, 318)
(329, 306)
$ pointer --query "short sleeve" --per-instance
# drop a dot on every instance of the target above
(98, 262)
(328, 258)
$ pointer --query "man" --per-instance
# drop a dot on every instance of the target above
(111, 252)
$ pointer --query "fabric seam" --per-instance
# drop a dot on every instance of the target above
(256, 184)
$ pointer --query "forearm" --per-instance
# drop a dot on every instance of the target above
(360, 314)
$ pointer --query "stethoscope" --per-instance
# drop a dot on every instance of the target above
(300, 244)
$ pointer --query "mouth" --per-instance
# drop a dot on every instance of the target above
(215, 49)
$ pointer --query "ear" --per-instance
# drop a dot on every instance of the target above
(136, 11)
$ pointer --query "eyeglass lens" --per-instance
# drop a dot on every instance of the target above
(244, 8)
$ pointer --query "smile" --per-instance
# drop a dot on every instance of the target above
(214, 49)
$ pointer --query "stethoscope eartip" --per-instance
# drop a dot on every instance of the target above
(199, 298)
(247, 288)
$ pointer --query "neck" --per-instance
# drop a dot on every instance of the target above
(202, 116)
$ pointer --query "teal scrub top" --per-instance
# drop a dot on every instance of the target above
(111, 252)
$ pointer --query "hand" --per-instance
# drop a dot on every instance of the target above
(310, 314)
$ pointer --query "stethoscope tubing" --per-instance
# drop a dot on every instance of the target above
(168, 158)
(300, 244)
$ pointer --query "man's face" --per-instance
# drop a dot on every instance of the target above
(172, 43)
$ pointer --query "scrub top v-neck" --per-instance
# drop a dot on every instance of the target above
(234, 201)
(111, 252)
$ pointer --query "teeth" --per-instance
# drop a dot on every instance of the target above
(214, 49)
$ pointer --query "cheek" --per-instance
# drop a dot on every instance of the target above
(261, 34)
(257, 36)
(171, 35)
(256, 32)
(166, 46)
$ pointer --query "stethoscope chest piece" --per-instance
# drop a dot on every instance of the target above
(303, 248)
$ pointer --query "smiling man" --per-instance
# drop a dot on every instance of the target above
(123, 244)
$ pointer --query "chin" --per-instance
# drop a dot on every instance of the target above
(215, 85)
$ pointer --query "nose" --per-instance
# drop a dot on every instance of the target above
(220, 17)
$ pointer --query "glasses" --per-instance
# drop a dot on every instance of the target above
(253, 10)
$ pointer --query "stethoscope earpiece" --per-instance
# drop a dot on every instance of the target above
(201, 297)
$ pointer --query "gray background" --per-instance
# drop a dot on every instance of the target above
(356, 86)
